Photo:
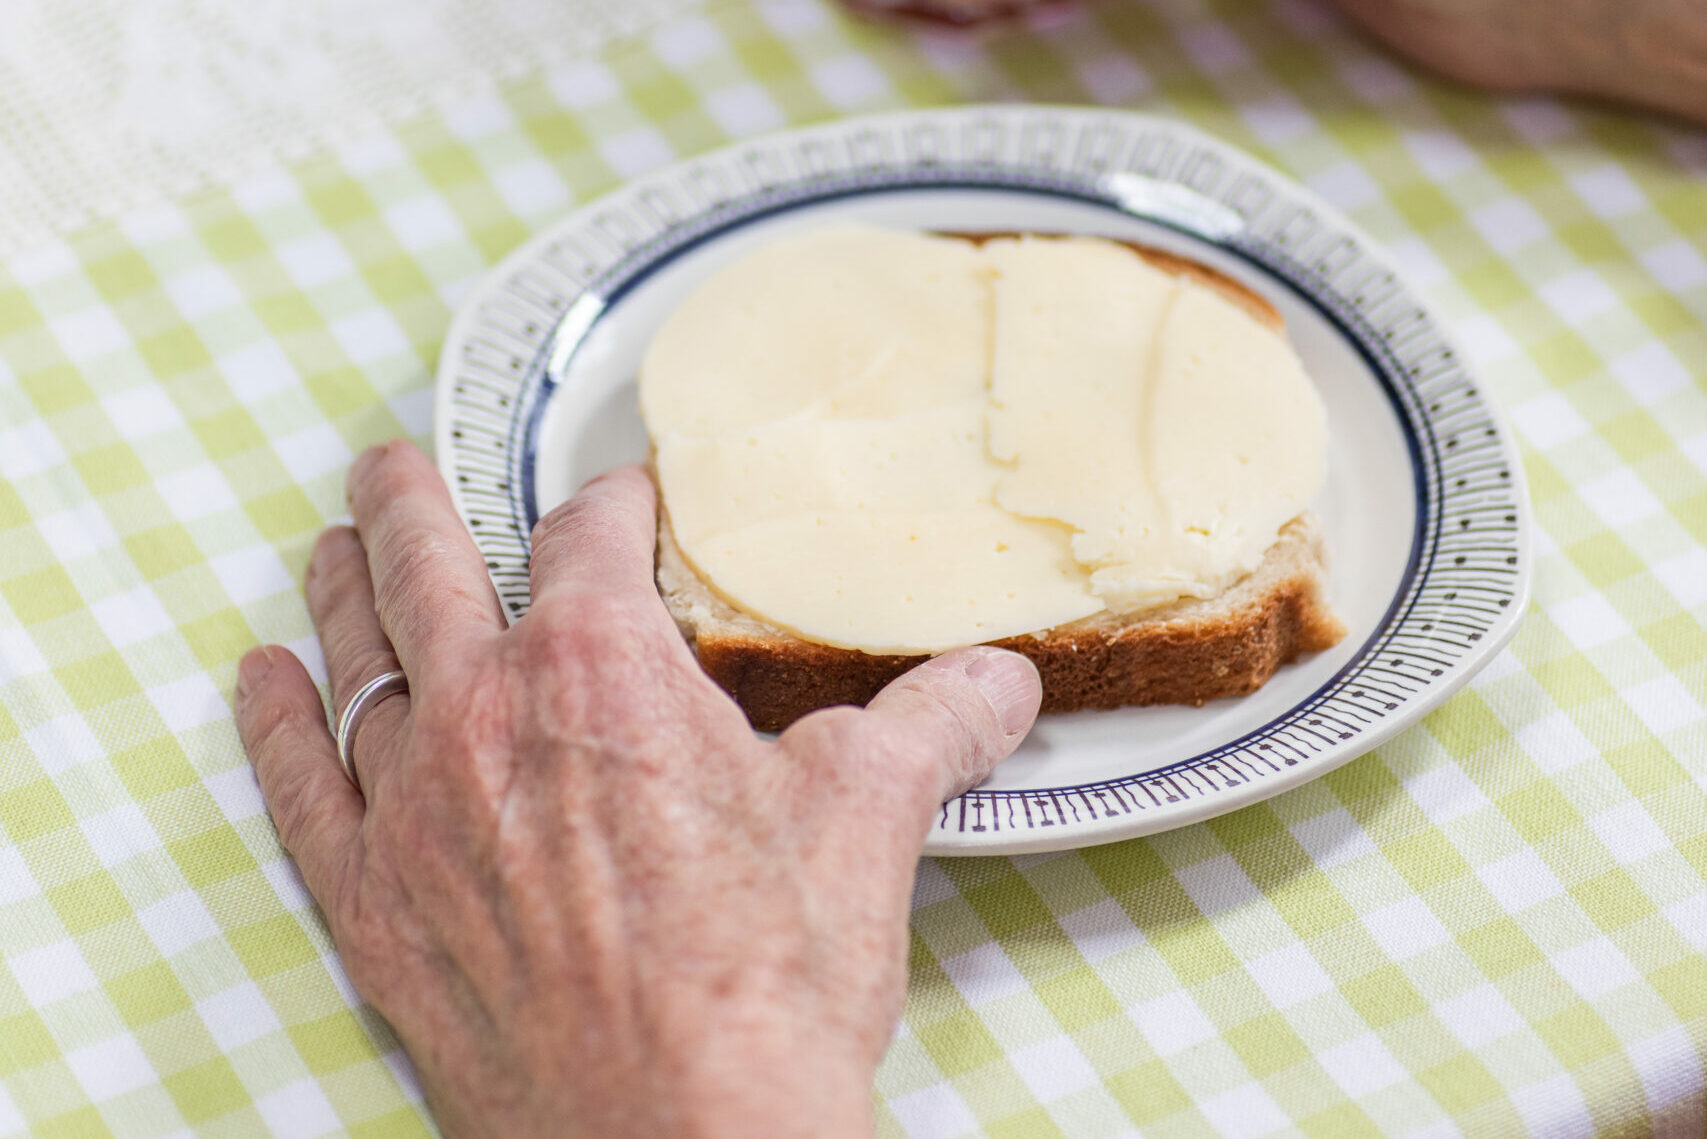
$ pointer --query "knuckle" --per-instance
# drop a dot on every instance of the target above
(584, 519)
(269, 720)
(412, 560)
(381, 468)
(366, 662)
(338, 555)
(589, 622)
(835, 734)
(293, 807)
(468, 715)
(334, 545)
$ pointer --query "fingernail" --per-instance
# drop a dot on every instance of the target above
(252, 672)
(1009, 682)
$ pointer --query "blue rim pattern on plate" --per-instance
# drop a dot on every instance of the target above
(1465, 582)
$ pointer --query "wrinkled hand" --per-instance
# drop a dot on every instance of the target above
(1652, 53)
(589, 900)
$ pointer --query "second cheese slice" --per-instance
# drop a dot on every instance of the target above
(901, 443)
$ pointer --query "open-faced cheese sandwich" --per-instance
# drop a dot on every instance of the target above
(872, 445)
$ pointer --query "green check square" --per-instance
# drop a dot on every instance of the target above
(207, 1090)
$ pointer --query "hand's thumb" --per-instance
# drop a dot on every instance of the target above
(970, 707)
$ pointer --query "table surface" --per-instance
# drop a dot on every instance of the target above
(1492, 925)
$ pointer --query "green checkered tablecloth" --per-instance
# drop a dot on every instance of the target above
(1493, 925)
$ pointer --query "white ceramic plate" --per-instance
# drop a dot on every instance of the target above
(1427, 521)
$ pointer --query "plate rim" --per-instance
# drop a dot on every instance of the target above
(944, 839)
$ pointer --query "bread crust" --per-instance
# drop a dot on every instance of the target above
(1188, 652)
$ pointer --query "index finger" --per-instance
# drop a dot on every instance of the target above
(605, 537)
(429, 580)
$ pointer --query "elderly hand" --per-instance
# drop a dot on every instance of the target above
(589, 900)
(1652, 53)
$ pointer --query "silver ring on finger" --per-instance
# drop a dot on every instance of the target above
(368, 695)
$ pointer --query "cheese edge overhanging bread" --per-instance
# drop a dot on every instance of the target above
(1187, 652)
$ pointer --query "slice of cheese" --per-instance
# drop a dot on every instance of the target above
(901, 443)
(837, 323)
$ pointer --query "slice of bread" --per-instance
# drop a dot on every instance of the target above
(1187, 652)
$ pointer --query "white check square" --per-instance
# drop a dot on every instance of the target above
(11, 1119)
(63, 742)
(1480, 1016)
(313, 451)
(257, 371)
(1279, 120)
(1442, 155)
(1620, 498)
(196, 493)
(479, 116)
(1677, 265)
(636, 151)
(984, 974)
(315, 259)
(1594, 968)
(1100, 930)
(1579, 296)
(1667, 1065)
(683, 42)
(89, 334)
(1663, 704)
(202, 290)
(111, 1067)
(1348, 185)
(51, 973)
(1629, 832)
(1588, 620)
(1215, 47)
(252, 573)
(531, 187)
(743, 109)
(423, 222)
(1548, 420)
(236, 792)
(1554, 1107)
(1406, 928)
(1555, 743)
(142, 410)
(16, 881)
(1245, 1110)
(370, 336)
(1112, 79)
(1520, 880)
(1332, 838)
(1509, 224)
(1651, 373)
(1685, 576)
(133, 616)
(237, 1015)
(1290, 975)
(177, 922)
(189, 702)
(120, 834)
(1172, 1022)
(1054, 1068)
(934, 1111)
(582, 84)
(299, 1111)
(1362, 1066)
(849, 80)
(1217, 884)
(1445, 793)
(79, 532)
(28, 448)
(1609, 191)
